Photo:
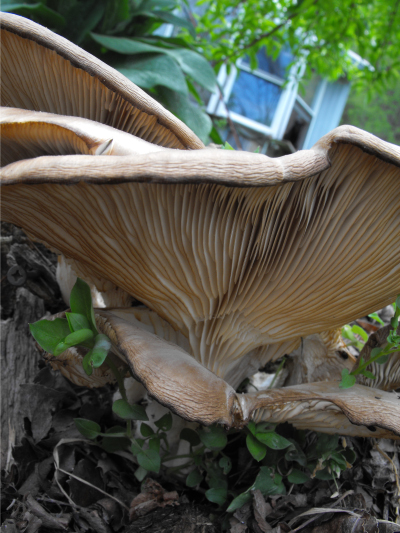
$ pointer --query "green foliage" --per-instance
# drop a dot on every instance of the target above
(322, 32)
(78, 329)
(123, 34)
(378, 355)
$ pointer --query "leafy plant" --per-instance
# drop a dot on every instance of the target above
(379, 355)
(126, 34)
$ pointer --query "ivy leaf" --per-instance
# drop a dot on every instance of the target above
(49, 333)
(129, 412)
(87, 428)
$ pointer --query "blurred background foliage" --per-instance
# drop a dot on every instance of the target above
(178, 66)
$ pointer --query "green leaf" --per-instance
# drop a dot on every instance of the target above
(74, 338)
(376, 317)
(102, 345)
(195, 66)
(194, 478)
(251, 426)
(39, 10)
(297, 477)
(348, 380)
(296, 454)
(137, 446)
(140, 473)
(227, 146)
(190, 436)
(273, 440)
(150, 460)
(87, 428)
(239, 501)
(349, 454)
(77, 321)
(268, 482)
(226, 464)
(165, 422)
(125, 45)
(214, 439)
(257, 449)
(146, 430)
(49, 333)
(382, 360)
(218, 496)
(375, 352)
(129, 412)
(148, 72)
(361, 332)
(115, 444)
(81, 302)
(154, 444)
(86, 363)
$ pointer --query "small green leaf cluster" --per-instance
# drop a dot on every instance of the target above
(378, 355)
(77, 329)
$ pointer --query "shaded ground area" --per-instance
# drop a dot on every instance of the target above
(55, 480)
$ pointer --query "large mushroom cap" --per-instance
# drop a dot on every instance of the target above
(310, 243)
(42, 71)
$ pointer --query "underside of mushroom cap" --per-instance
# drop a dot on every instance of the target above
(29, 134)
(42, 71)
(177, 381)
(236, 269)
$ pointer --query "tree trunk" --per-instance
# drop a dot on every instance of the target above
(19, 364)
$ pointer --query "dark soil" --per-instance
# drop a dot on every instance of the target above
(55, 480)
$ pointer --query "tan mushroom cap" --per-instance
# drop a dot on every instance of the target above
(29, 134)
(42, 71)
(302, 244)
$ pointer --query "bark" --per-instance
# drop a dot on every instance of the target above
(19, 363)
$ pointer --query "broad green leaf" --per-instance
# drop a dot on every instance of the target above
(376, 317)
(375, 352)
(129, 412)
(115, 444)
(273, 440)
(251, 426)
(348, 380)
(148, 72)
(227, 146)
(150, 460)
(100, 350)
(257, 449)
(349, 454)
(77, 321)
(194, 478)
(218, 496)
(87, 428)
(214, 438)
(196, 66)
(137, 445)
(296, 454)
(239, 501)
(49, 333)
(146, 430)
(190, 436)
(165, 422)
(368, 374)
(125, 45)
(297, 477)
(81, 302)
(326, 444)
(38, 10)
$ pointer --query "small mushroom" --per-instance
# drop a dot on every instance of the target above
(241, 254)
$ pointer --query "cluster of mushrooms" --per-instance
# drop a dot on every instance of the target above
(236, 258)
